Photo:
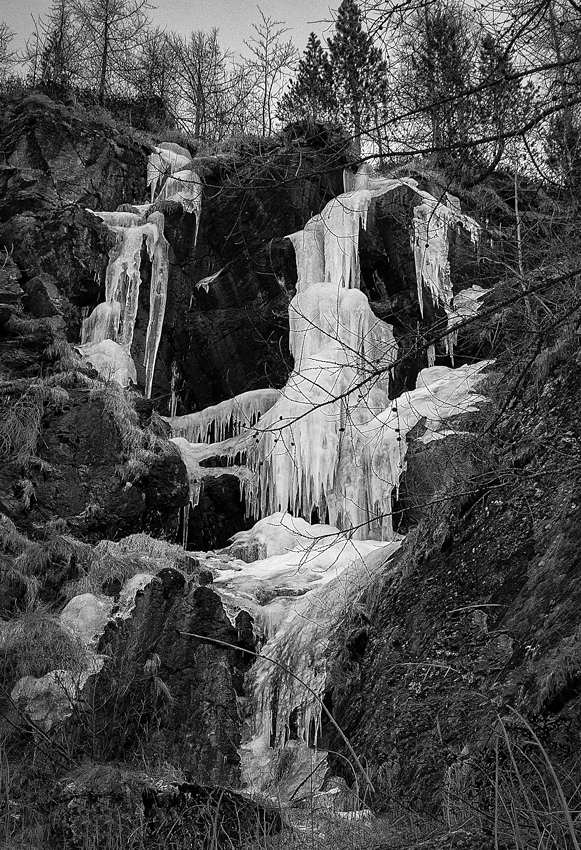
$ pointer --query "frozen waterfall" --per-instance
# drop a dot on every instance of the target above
(330, 444)
(107, 334)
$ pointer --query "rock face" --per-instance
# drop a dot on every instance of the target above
(57, 161)
(473, 632)
(163, 694)
(77, 476)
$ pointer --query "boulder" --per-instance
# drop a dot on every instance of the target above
(44, 297)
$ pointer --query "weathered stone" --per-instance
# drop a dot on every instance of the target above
(81, 454)
(44, 298)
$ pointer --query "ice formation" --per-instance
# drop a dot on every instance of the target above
(230, 417)
(295, 595)
(432, 222)
(331, 444)
(108, 331)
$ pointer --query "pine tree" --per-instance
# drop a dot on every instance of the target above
(358, 69)
(440, 49)
(311, 95)
(500, 102)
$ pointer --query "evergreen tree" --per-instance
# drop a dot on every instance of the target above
(500, 101)
(440, 49)
(63, 45)
(358, 69)
(311, 95)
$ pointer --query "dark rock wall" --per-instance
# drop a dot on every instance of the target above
(480, 614)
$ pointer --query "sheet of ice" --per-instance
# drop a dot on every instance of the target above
(328, 314)
(50, 699)
(205, 282)
(309, 245)
(186, 188)
(328, 247)
(465, 304)
(431, 223)
(86, 616)
(345, 456)
(114, 320)
(164, 161)
(123, 277)
(128, 595)
(193, 468)
(279, 534)
(175, 148)
(119, 219)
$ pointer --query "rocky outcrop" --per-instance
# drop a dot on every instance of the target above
(57, 161)
(82, 473)
(163, 693)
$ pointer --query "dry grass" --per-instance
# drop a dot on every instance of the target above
(20, 427)
(34, 642)
(112, 564)
(140, 446)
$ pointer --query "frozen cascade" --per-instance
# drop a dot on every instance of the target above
(113, 322)
(330, 441)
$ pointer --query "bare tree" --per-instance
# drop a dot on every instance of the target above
(114, 29)
(7, 55)
(63, 45)
(152, 69)
(202, 82)
(270, 63)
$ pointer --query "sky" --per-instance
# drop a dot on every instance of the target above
(234, 18)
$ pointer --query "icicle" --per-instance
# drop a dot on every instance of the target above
(205, 282)
(329, 243)
(309, 245)
(119, 219)
(431, 355)
(163, 161)
(158, 249)
(222, 420)
(432, 220)
(175, 374)
(185, 524)
(111, 360)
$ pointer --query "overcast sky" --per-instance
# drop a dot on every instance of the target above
(234, 18)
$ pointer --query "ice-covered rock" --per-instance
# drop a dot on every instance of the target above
(111, 360)
(86, 616)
